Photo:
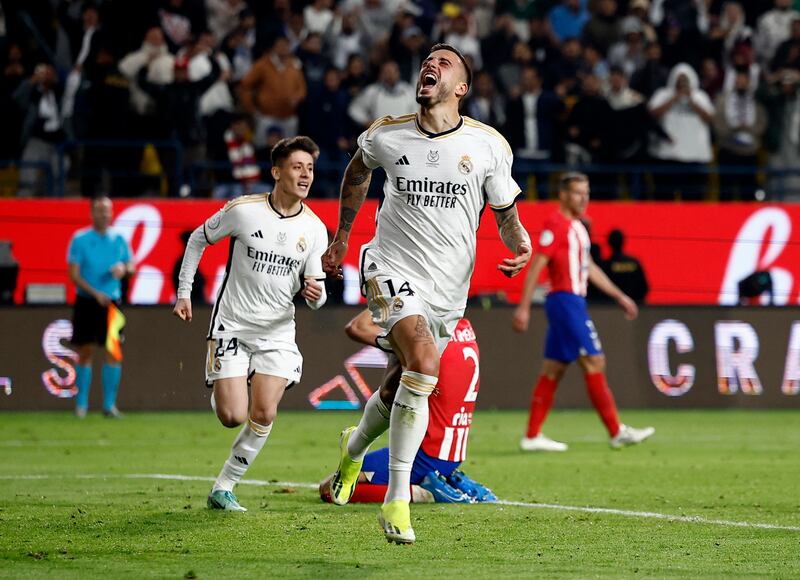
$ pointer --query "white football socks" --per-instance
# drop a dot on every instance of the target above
(244, 451)
(409, 421)
(372, 425)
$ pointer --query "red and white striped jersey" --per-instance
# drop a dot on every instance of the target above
(566, 244)
(243, 158)
(452, 403)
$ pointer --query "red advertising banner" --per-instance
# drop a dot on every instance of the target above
(691, 253)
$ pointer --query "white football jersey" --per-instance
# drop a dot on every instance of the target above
(436, 188)
(269, 257)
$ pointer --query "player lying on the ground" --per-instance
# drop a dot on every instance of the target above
(434, 475)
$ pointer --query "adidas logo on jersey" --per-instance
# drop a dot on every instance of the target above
(257, 234)
(402, 161)
(242, 460)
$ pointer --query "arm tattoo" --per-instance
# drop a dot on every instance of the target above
(511, 231)
(354, 190)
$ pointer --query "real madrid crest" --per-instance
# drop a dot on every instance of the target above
(397, 304)
(465, 165)
(217, 365)
(301, 244)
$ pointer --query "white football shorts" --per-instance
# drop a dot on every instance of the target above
(390, 299)
(231, 357)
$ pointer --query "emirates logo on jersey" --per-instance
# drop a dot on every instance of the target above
(465, 165)
(301, 244)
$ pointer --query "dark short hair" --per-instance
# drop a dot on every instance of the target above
(571, 177)
(454, 50)
(286, 147)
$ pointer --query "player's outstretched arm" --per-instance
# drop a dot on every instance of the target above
(522, 313)
(599, 279)
(516, 240)
(191, 260)
(355, 185)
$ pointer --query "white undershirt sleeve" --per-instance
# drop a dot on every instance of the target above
(191, 260)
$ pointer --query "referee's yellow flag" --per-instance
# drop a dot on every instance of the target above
(116, 320)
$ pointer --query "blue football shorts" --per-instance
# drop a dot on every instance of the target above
(571, 333)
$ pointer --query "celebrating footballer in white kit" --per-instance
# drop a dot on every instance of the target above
(275, 242)
(442, 169)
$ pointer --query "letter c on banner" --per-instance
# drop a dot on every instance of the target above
(658, 357)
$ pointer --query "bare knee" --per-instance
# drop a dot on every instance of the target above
(593, 364)
(264, 416)
(554, 370)
(230, 417)
(425, 363)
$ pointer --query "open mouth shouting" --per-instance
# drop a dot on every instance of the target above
(427, 83)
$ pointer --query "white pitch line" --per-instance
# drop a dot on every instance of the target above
(550, 506)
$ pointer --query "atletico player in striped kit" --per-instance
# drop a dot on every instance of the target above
(434, 475)
(564, 250)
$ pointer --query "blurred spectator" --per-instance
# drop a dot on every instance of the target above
(531, 117)
(589, 134)
(681, 25)
(539, 42)
(685, 112)
(374, 20)
(13, 73)
(521, 12)
(238, 46)
(625, 271)
(787, 56)
(245, 171)
(38, 99)
(313, 60)
(181, 20)
(90, 17)
(730, 31)
(388, 96)
(410, 49)
(484, 104)
(460, 37)
(567, 19)
(631, 121)
(640, 10)
(318, 16)
(355, 78)
(564, 70)
(602, 29)
(619, 94)
(498, 46)
(178, 108)
(326, 117)
(224, 16)
(154, 56)
(509, 74)
(652, 75)
(774, 27)
(295, 30)
(628, 53)
(739, 124)
(218, 97)
(273, 90)
(742, 60)
(593, 63)
(711, 79)
(108, 99)
(782, 138)
(344, 40)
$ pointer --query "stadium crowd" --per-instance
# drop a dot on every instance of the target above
(699, 92)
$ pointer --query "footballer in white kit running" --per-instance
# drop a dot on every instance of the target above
(442, 170)
(275, 242)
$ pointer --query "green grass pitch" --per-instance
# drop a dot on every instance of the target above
(69, 507)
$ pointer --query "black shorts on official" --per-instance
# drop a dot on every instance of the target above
(89, 322)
